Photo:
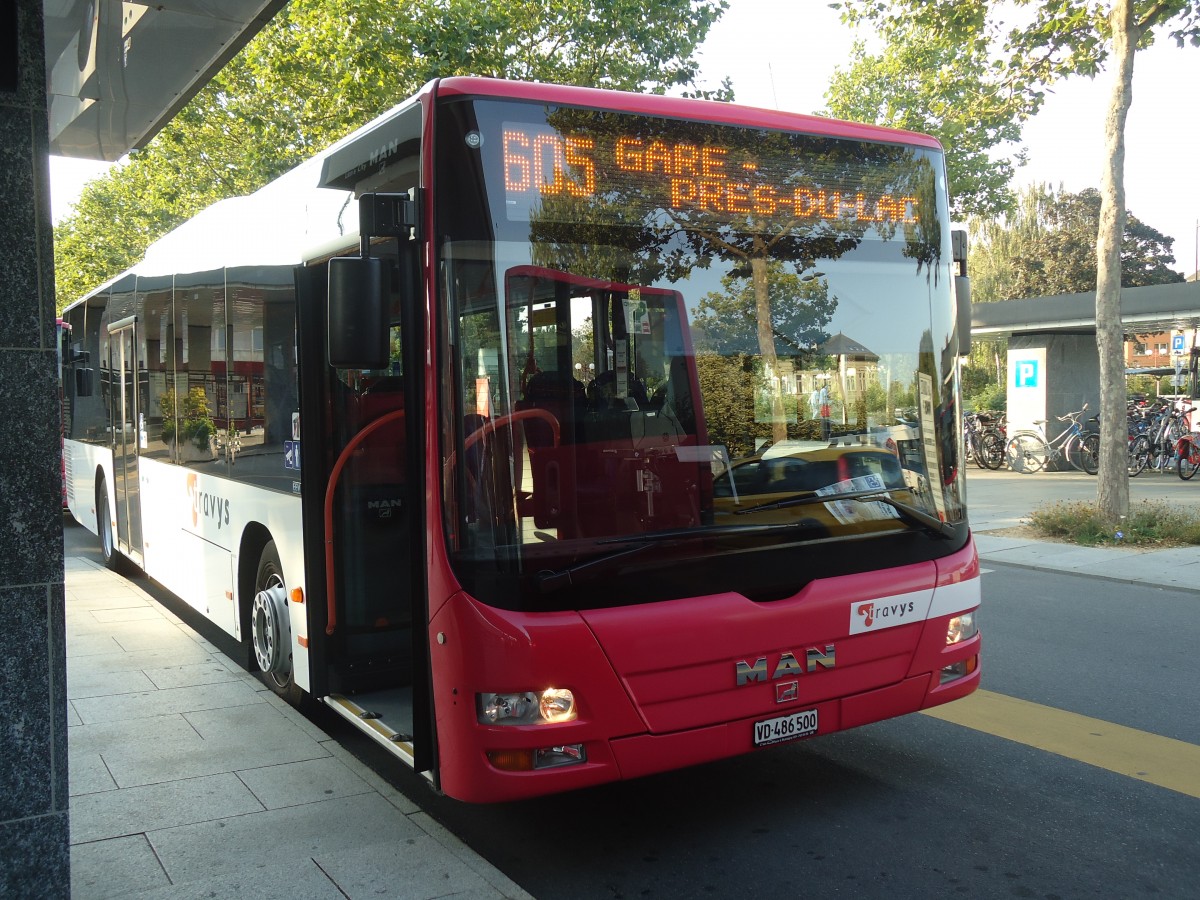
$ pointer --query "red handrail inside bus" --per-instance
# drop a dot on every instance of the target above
(352, 445)
(343, 458)
(521, 414)
(494, 425)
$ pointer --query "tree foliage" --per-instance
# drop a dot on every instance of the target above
(954, 89)
(1056, 39)
(321, 68)
(1048, 246)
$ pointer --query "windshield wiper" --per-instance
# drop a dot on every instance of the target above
(908, 513)
(549, 581)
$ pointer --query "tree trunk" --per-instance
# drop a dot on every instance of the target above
(766, 345)
(1112, 490)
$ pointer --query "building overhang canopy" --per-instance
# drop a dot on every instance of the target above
(1144, 310)
(118, 71)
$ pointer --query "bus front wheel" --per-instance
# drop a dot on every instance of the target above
(270, 627)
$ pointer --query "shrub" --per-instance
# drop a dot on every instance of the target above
(1150, 523)
(991, 396)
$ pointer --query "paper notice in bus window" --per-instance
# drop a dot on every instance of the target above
(850, 511)
(483, 397)
(637, 314)
(929, 448)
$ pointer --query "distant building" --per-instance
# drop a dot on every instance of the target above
(1149, 351)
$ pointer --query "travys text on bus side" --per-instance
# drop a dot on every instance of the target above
(682, 176)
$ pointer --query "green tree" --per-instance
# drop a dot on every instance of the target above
(1064, 38)
(800, 309)
(920, 81)
(1048, 246)
(321, 68)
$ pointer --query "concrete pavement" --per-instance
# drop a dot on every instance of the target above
(1003, 500)
(189, 779)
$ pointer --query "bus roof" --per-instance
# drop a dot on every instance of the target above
(310, 207)
(680, 108)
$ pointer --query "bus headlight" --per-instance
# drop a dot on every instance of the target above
(553, 705)
(557, 705)
(962, 627)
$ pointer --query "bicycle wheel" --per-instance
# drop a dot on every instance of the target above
(1089, 453)
(991, 451)
(1071, 452)
(1189, 459)
(1026, 453)
(1139, 455)
(977, 451)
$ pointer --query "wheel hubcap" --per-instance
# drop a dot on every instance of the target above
(270, 631)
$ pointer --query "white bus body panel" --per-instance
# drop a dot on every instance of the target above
(194, 523)
(81, 462)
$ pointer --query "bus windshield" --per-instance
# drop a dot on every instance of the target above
(667, 327)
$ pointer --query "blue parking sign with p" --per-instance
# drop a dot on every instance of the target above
(1025, 373)
(1177, 345)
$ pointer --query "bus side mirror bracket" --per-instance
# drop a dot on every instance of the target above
(359, 287)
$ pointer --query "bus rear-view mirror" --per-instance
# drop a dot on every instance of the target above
(357, 327)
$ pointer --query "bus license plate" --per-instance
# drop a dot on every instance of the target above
(785, 728)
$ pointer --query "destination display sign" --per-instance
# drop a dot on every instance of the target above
(641, 174)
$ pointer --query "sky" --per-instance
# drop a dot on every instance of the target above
(782, 53)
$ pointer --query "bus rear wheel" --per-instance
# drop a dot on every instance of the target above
(108, 546)
(270, 628)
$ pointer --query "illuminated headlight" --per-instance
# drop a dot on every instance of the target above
(962, 627)
(552, 705)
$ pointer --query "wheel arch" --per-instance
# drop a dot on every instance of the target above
(255, 538)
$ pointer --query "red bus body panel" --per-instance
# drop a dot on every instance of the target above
(678, 107)
(656, 691)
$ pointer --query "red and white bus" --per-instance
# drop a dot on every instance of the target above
(550, 435)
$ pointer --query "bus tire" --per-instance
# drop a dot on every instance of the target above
(108, 545)
(270, 628)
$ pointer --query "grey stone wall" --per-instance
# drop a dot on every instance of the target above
(34, 859)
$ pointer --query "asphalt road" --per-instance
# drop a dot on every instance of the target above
(1003, 499)
(917, 806)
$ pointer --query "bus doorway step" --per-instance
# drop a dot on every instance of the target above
(384, 716)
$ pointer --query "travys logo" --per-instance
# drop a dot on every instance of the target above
(206, 505)
(887, 613)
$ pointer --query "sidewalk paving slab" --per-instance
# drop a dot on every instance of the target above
(189, 778)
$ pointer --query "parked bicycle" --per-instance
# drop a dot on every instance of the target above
(1030, 451)
(1157, 446)
(983, 433)
(1187, 448)
(1141, 424)
(1187, 453)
